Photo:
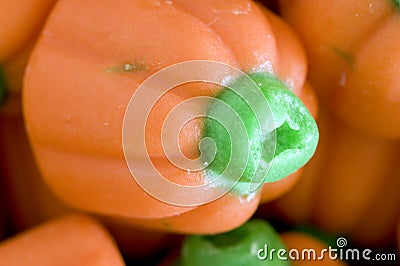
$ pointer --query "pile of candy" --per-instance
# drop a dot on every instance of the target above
(221, 132)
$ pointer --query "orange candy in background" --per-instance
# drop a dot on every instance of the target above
(21, 22)
(354, 60)
(69, 240)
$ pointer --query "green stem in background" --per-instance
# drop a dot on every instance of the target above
(3, 89)
(279, 142)
(237, 247)
(397, 4)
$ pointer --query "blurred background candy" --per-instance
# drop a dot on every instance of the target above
(21, 22)
(69, 240)
(354, 59)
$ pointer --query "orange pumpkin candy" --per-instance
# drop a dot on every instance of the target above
(354, 59)
(20, 22)
(83, 72)
(69, 240)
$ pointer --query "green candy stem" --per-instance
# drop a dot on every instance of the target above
(397, 4)
(273, 154)
(237, 247)
(3, 90)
